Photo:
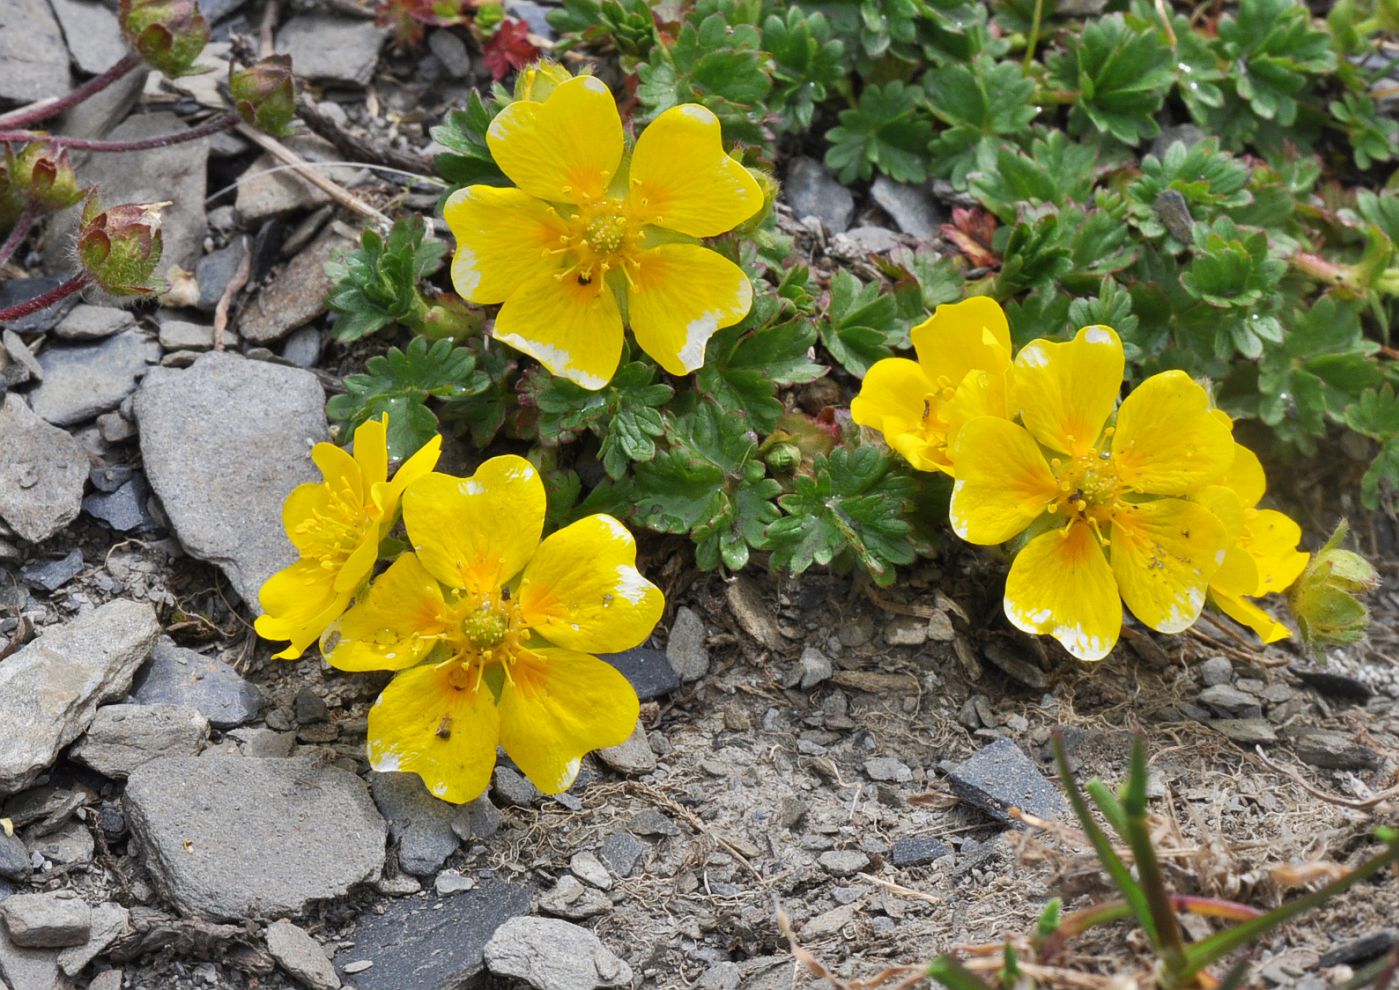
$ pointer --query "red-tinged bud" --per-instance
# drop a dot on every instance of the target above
(120, 247)
(42, 176)
(265, 94)
(168, 35)
(535, 82)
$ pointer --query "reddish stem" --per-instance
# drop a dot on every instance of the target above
(163, 141)
(32, 115)
(16, 238)
(75, 284)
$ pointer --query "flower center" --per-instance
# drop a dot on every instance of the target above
(601, 237)
(489, 633)
(486, 627)
(1089, 487)
(331, 533)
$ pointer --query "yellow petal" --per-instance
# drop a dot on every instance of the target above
(394, 625)
(682, 180)
(678, 296)
(340, 471)
(301, 510)
(558, 706)
(1168, 442)
(1248, 613)
(892, 400)
(1245, 476)
(504, 236)
(1003, 483)
(298, 603)
(582, 590)
(1066, 391)
(573, 330)
(388, 495)
(1060, 585)
(1271, 538)
(425, 722)
(960, 337)
(1238, 575)
(1227, 508)
(981, 393)
(477, 533)
(360, 563)
(566, 149)
(1164, 554)
(372, 451)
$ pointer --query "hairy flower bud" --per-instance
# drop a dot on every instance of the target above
(42, 175)
(168, 35)
(1322, 600)
(120, 247)
(537, 81)
(265, 94)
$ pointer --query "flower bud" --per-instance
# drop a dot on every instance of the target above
(265, 94)
(535, 82)
(120, 247)
(489, 14)
(1322, 600)
(43, 176)
(770, 188)
(784, 458)
(168, 35)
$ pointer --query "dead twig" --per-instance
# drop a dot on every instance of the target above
(307, 173)
(235, 286)
(1358, 805)
(694, 821)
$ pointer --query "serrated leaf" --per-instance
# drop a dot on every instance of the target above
(467, 159)
(889, 131)
(745, 365)
(1056, 170)
(861, 324)
(1271, 48)
(624, 414)
(376, 284)
(979, 103)
(1120, 71)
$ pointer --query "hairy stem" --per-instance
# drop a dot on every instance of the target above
(32, 115)
(214, 126)
(75, 284)
(22, 226)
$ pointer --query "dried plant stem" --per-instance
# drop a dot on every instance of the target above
(17, 235)
(27, 116)
(306, 172)
(214, 126)
(75, 284)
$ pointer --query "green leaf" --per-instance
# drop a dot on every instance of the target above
(1231, 269)
(624, 414)
(861, 324)
(1271, 48)
(980, 103)
(808, 63)
(1056, 171)
(1120, 71)
(1035, 251)
(627, 25)
(399, 383)
(849, 511)
(1382, 210)
(745, 365)
(1376, 415)
(467, 159)
(1372, 137)
(1206, 180)
(924, 282)
(376, 284)
(889, 131)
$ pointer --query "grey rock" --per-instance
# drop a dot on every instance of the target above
(1335, 684)
(226, 837)
(649, 821)
(93, 35)
(1248, 731)
(295, 296)
(999, 777)
(301, 956)
(648, 671)
(588, 868)
(263, 743)
(635, 756)
(811, 190)
(83, 380)
(451, 52)
(216, 269)
(108, 979)
(1228, 700)
(1332, 749)
(570, 899)
(122, 737)
(309, 707)
(812, 669)
(906, 630)
(332, 49)
(620, 853)
(1216, 671)
(910, 207)
(14, 858)
(858, 242)
(181, 335)
(33, 58)
(1360, 950)
(512, 788)
(722, 976)
(20, 290)
(109, 923)
(19, 364)
(918, 850)
(888, 770)
(177, 676)
(303, 347)
(70, 845)
(226, 410)
(554, 955)
(418, 822)
(829, 922)
(52, 574)
(125, 510)
(432, 943)
(264, 192)
(685, 649)
(42, 473)
(114, 428)
(478, 819)
(88, 322)
(29, 969)
(51, 688)
(843, 862)
(450, 882)
(533, 14)
(46, 921)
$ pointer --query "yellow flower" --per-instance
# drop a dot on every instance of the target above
(336, 526)
(1108, 509)
(1262, 557)
(492, 630)
(962, 372)
(586, 241)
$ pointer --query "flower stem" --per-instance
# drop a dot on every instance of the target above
(1034, 36)
(214, 126)
(22, 225)
(32, 115)
(75, 284)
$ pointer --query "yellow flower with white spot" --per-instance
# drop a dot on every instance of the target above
(592, 237)
(963, 371)
(336, 525)
(1262, 558)
(1108, 510)
(493, 631)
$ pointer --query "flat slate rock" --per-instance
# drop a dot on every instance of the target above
(648, 670)
(224, 442)
(295, 296)
(179, 676)
(92, 32)
(42, 473)
(83, 380)
(87, 322)
(33, 58)
(430, 943)
(554, 955)
(123, 737)
(230, 837)
(999, 777)
(51, 688)
(418, 822)
(332, 49)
